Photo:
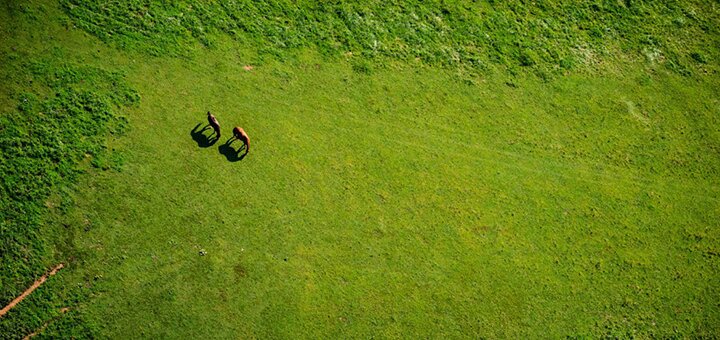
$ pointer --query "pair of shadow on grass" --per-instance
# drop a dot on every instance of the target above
(205, 141)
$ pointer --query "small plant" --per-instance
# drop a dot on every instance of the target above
(362, 66)
(699, 57)
(528, 57)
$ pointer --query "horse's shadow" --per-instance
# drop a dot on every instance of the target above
(231, 154)
(201, 138)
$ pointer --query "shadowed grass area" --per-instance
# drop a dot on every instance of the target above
(400, 201)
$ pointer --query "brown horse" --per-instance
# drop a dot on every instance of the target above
(214, 123)
(240, 134)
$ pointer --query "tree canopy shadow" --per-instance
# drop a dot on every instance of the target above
(199, 136)
(231, 154)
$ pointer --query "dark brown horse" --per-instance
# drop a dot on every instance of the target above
(214, 123)
(240, 134)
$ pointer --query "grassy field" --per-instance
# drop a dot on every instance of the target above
(388, 194)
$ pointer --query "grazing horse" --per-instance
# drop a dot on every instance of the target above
(240, 134)
(214, 123)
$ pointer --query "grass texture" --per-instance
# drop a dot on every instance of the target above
(383, 197)
(545, 37)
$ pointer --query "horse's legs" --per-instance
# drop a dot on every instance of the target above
(244, 153)
(246, 145)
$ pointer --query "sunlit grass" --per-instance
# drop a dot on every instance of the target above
(400, 200)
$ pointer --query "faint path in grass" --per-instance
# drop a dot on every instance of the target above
(438, 135)
(589, 172)
(341, 191)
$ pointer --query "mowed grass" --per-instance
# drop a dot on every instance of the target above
(401, 202)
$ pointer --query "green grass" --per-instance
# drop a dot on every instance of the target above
(55, 121)
(384, 199)
(544, 37)
(423, 220)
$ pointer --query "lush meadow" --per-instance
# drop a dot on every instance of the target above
(418, 169)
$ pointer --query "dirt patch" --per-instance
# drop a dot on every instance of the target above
(240, 271)
(27, 292)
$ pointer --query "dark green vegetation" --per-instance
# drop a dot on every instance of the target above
(543, 170)
(547, 37)
(42, 143)
(55, 117)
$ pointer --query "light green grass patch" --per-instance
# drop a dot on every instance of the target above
(396, 201)
(404, 203)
